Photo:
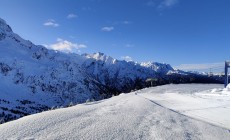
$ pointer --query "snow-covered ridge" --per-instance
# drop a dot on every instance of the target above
(4, 28)
(158, 67)
(101, 57)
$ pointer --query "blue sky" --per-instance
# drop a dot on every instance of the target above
(171, 31)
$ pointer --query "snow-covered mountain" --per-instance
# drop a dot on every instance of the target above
(117, 75)
(34, 78)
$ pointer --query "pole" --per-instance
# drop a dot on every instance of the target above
(226, 74)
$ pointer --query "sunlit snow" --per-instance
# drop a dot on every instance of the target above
(190, 111)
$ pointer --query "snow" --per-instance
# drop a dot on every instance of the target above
(101, 57)
(210, 103)
(153, 113)
(158, 67)
(227, 88)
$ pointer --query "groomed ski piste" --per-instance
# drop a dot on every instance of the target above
(184, 111)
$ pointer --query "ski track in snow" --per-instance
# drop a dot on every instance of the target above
(127, 116)
(205, 105)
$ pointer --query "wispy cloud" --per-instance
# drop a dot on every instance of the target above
(162, 4)
(129, 45)
(70, 16)
(151, 3)
(201, 67)
(51, 23)
(127, 58)
(66, 46)
(126, 22)
(107, 29)
(167, 3)
(87, 8)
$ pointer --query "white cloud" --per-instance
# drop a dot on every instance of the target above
(66, 46)
(107, 29)
(167, 3)
(127, 58)
(129, 45)
(70, 16)
(170, 2)
(51, 22)
(126, 22)
(162, 4)
(201, 67)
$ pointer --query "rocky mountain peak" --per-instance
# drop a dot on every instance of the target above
(4, 27)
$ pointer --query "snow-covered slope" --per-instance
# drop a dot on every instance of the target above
(34, 78)
(209, 102)
(127, 116)
(158, 67)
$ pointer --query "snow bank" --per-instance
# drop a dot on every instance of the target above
(227, 88)
(218, 91)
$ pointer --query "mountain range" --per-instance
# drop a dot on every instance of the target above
(34, 78)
